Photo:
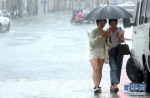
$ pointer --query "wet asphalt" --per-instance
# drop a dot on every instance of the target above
(45, 56)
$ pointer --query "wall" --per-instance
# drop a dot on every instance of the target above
(51, 5)
(41, 7)
(0, 4)
(30, 7)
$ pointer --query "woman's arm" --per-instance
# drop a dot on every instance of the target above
(93, 39)
(120, 37)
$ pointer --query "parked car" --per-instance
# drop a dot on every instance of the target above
(4, 22)
(138, 64)
(6, 13)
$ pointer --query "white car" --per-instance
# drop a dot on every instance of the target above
(138, 64)
(4, 22)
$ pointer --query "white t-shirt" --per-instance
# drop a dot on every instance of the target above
(114, 39)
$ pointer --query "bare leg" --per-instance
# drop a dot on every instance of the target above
(100, 63)
(96, 71)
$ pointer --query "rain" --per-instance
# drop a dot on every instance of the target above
(44, 49)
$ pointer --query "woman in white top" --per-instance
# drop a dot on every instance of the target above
(115, 61)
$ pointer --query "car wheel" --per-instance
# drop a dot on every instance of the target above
(147, 79)
(133, 73)
(8, 27)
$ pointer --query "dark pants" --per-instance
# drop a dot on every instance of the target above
(115, 62)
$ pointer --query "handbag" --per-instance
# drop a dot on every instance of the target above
(123, 49)
(106, 54)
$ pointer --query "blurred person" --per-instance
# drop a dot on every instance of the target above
(79, 16)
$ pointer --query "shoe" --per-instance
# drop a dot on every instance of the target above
(100, 90)
(111, 88)
(116, 89)
(96, 90)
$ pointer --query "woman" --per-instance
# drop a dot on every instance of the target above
(115, 61)
(96, 53)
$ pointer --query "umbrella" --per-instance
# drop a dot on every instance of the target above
(108, 12)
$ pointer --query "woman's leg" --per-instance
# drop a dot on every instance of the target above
(119, 61)
(96, 71)
(113, 66)
(100, 63)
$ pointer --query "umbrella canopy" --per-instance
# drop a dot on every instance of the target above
(108, 12)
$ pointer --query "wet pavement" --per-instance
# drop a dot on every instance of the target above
(46, 57)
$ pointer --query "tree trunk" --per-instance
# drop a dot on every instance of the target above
(97, 3)
(58, 5)
(70, 4)
(20, 8)
(36, 7)
(86, 3)
(65, 2)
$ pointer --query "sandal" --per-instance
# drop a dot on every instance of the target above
(116, 89)
(111, 88)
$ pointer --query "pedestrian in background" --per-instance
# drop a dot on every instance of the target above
(115, 61)
(97, 40)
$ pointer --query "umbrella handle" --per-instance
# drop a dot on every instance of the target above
(109, 36)
(110, 39)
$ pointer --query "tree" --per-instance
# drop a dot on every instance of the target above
(70, 4)
(20, 8)
(97, 3)
(36, 7)
(65, 2)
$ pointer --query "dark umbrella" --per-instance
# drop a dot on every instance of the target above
(108, 12)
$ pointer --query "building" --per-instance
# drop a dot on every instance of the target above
(51, 5)
(2, 4)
